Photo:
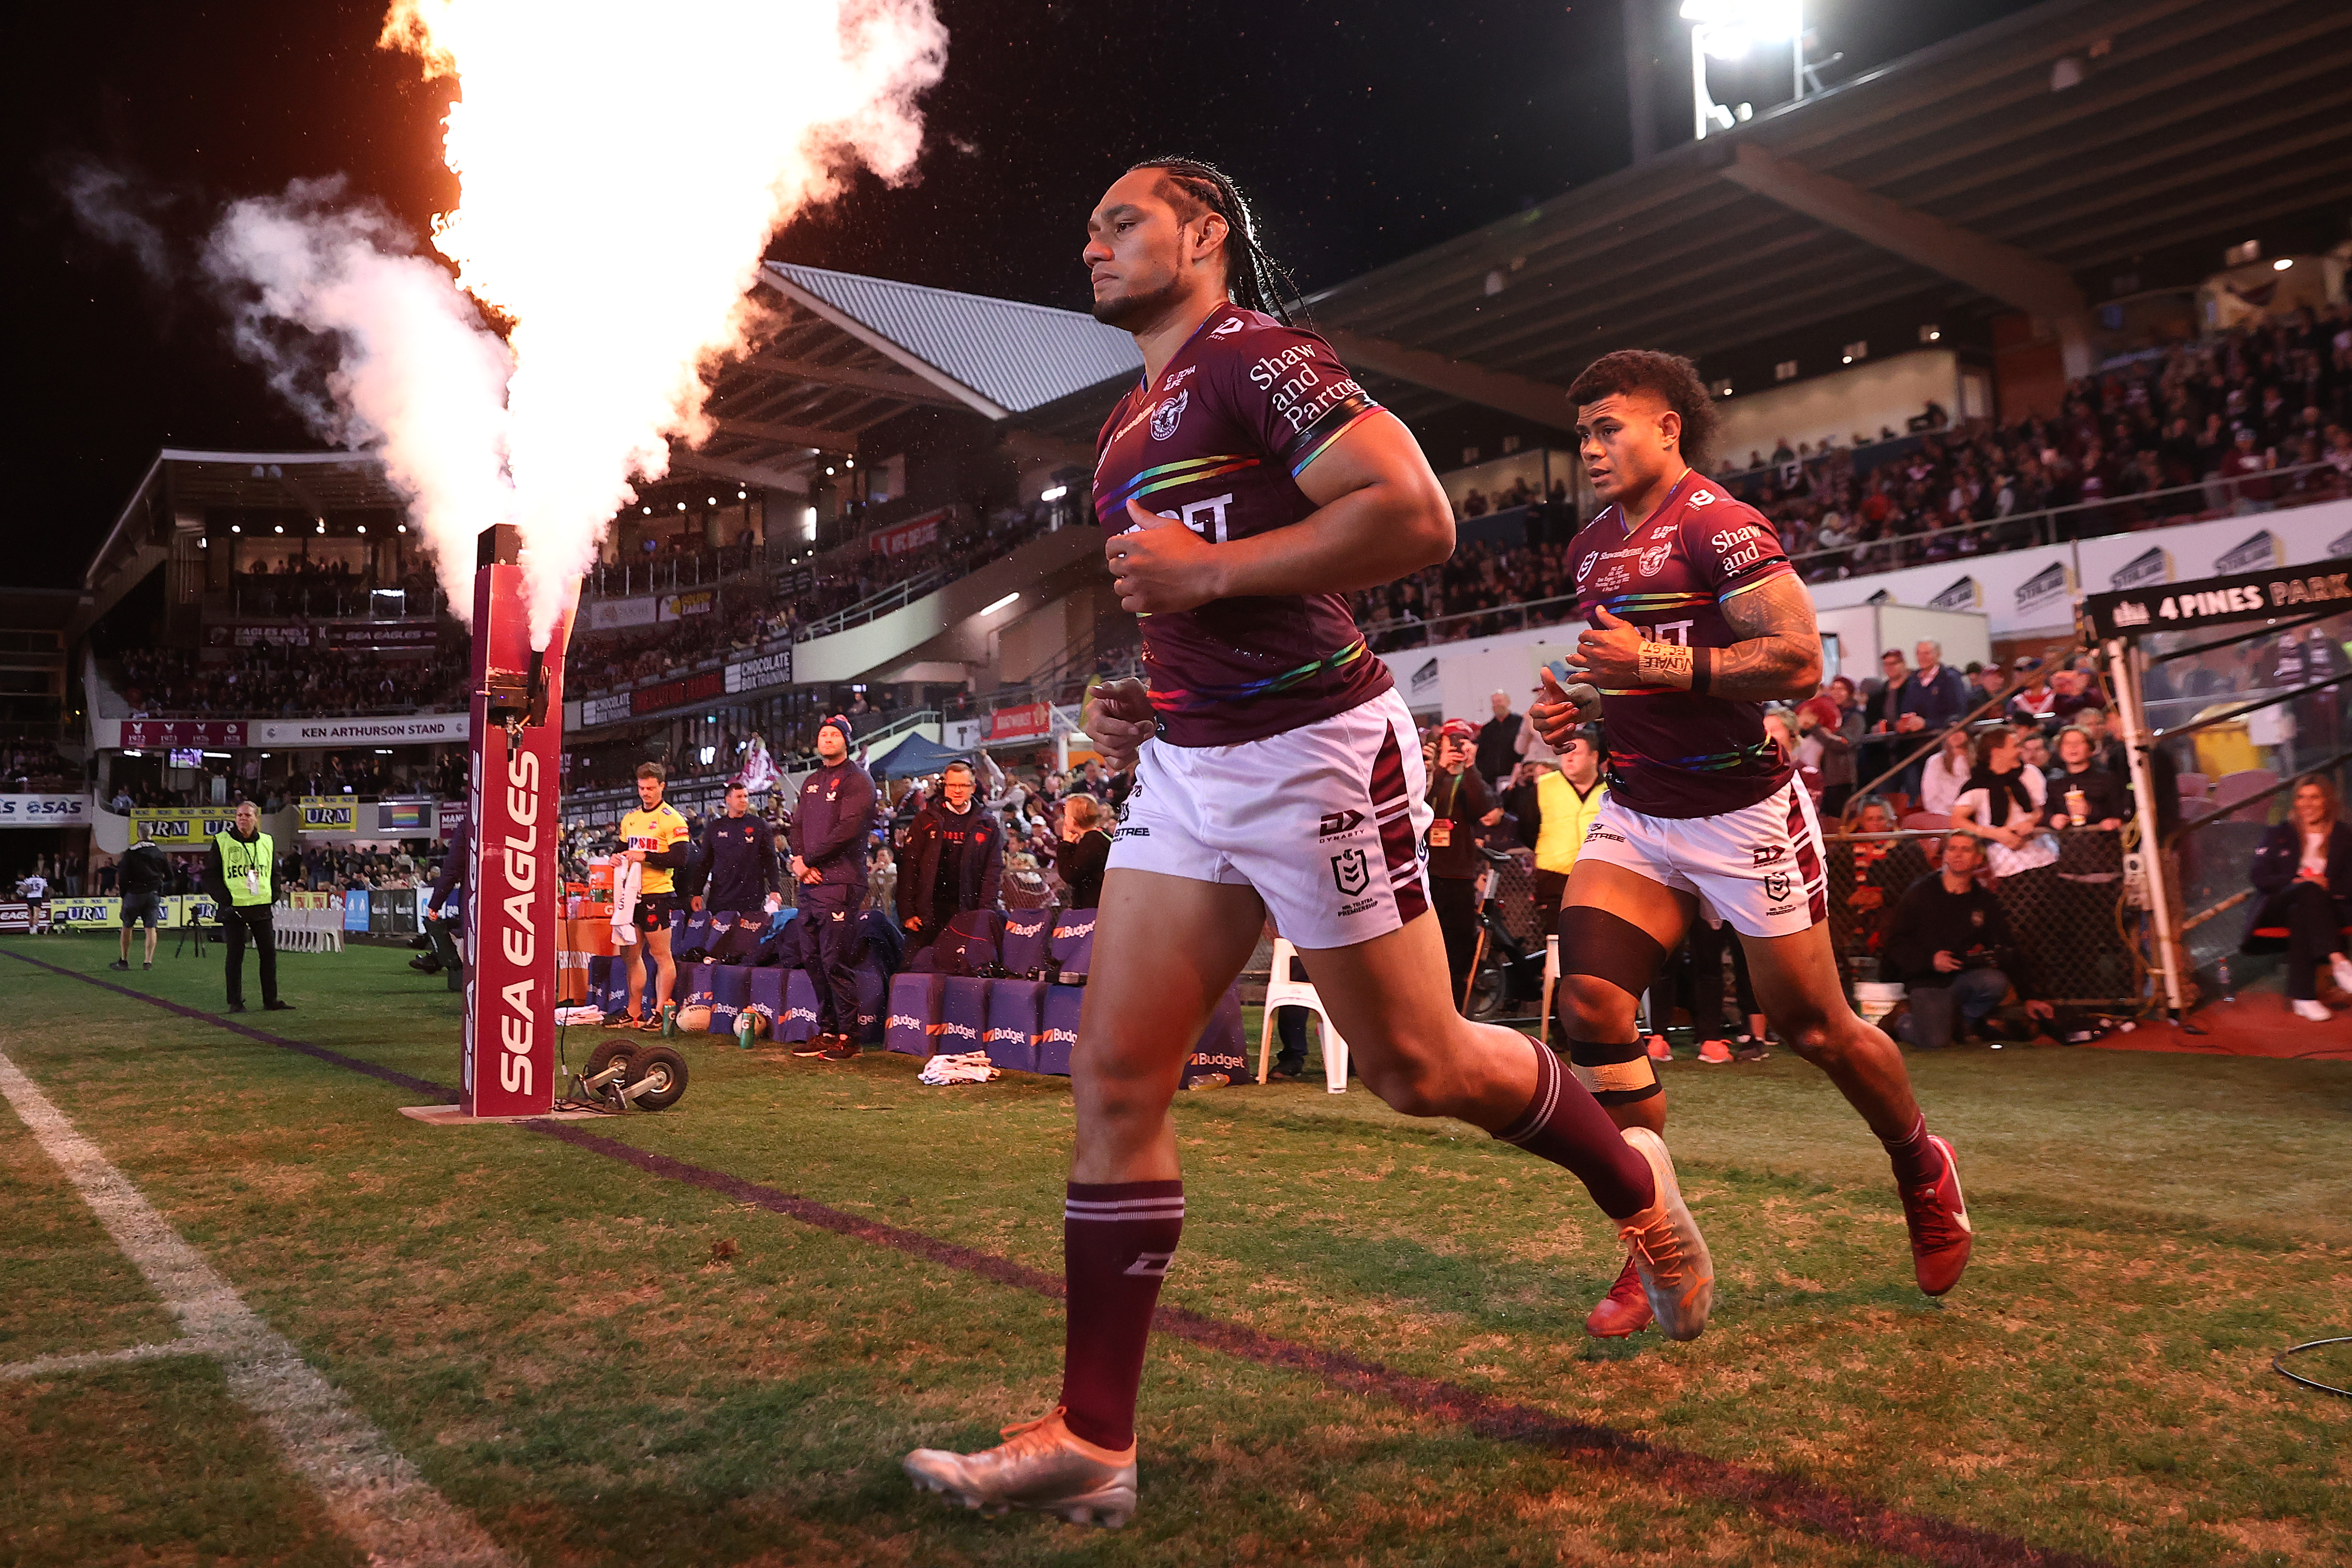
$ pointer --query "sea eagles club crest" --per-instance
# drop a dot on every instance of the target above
(1351, 872)
(1168, 415)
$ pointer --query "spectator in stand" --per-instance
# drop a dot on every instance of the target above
(1555, 809)
(2076, 690)
(2006, 803)
(1986, 682)
(1878, 713)
(1085, 851)
(953, 861)
(1947, 772)
(2302, 869)
(1463, 809)
(1949, 942)
(2081, 791)
(2034, 700)
(1829, 727)
(1499, 741)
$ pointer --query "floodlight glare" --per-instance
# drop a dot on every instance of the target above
(1732, 28)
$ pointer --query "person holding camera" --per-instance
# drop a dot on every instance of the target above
(1950, 945)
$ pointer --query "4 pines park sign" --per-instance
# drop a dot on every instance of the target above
(2320, 588)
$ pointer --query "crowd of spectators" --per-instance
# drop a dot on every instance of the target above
(322, 591)
(37, 767)
(337, 868)
(2246, 421)
(267, 680)
(1475, 503)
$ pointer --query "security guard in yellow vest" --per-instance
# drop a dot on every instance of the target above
(1555, 813)
(241, 875)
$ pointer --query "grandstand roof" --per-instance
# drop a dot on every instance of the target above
(852, 351)
(2182, 121)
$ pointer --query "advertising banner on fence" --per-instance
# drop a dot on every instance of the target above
(616, 614)
(768, 670)
(671, 694)
(604, 710)
(104, 913)
(45, 811)
(915, 533)
(181, 827)
(695, 602)
(413, 638)
(329, 813)
(1020, 722)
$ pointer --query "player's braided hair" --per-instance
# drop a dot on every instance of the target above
(1254, 279)
(1672, 379)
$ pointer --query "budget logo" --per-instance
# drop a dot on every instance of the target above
(1351, 872)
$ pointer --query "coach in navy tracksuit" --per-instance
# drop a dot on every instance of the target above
(737, 860)
(828, 839)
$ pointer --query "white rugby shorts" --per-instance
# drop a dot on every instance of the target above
(1761, 867)
(1325, 821)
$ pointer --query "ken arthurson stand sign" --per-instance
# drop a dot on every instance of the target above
(2320, 587)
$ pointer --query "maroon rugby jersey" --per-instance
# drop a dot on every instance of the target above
(1673, 753)
(1217, 443)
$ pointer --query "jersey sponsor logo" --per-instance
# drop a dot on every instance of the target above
(1653, 559)
(1776, 884)
(1584, 568)
(1228, 328)
(1176, 378)
(1351, 872)
(1767, 853)
(1169, 415)
(1748, 556)
(1730, 536)
(1132, 833)
(1701, 497)
(1269, 370)
(1338, 822)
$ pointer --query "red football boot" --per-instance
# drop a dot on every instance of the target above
(1938, 1217)
(1624, 1311)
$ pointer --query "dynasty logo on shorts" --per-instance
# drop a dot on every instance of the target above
(1767, 853)
(1338, 824)
(1351, 872)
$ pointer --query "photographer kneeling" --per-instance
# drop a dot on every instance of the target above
(1949, 943)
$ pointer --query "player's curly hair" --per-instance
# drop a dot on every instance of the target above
(1668, 376)
(1254, 279)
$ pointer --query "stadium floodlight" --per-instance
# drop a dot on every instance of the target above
(1000, 604)
(1054, 493)
(1728, 31)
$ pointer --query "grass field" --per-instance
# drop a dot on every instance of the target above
(1371, 1354)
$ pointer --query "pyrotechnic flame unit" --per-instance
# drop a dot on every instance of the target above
(513, 873)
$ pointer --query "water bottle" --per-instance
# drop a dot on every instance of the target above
(743, 1021)
(2229, 987)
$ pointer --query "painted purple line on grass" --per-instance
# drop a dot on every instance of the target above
(1776, 1496)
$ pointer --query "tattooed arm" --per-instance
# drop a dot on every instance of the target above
(1778, 657)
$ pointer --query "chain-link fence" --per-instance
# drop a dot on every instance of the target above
(2076, 937)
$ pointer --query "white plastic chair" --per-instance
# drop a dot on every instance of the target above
(1281, 992)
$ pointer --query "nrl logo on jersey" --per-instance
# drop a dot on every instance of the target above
(1653, 559)
(1584, 567)
(1168, 415)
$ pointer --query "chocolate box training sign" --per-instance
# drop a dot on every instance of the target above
(2221, 600)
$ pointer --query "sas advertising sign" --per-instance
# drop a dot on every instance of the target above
(45, 811)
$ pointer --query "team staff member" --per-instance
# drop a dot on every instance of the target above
(241, 875)
(736, 862)
(444, 904)
(953, 861)
(828, 841)
(659, 841)
(1555, 813)
(1463, 809)
(144, 871)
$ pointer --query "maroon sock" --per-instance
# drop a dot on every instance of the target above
(1917, 1161)
(1565, 1124)
(1116, 1241)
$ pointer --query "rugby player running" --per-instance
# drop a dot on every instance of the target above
(1247, 483)
(1695, 619)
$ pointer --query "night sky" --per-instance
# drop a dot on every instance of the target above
(1364, 130)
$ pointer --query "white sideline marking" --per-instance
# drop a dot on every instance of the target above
(49, 1366)
(375, 1497)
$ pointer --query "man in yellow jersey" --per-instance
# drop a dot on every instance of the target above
(241, 874)
(657, 839)
(1555, 811)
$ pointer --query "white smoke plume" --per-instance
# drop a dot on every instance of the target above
(412, 375)
(622, 166)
